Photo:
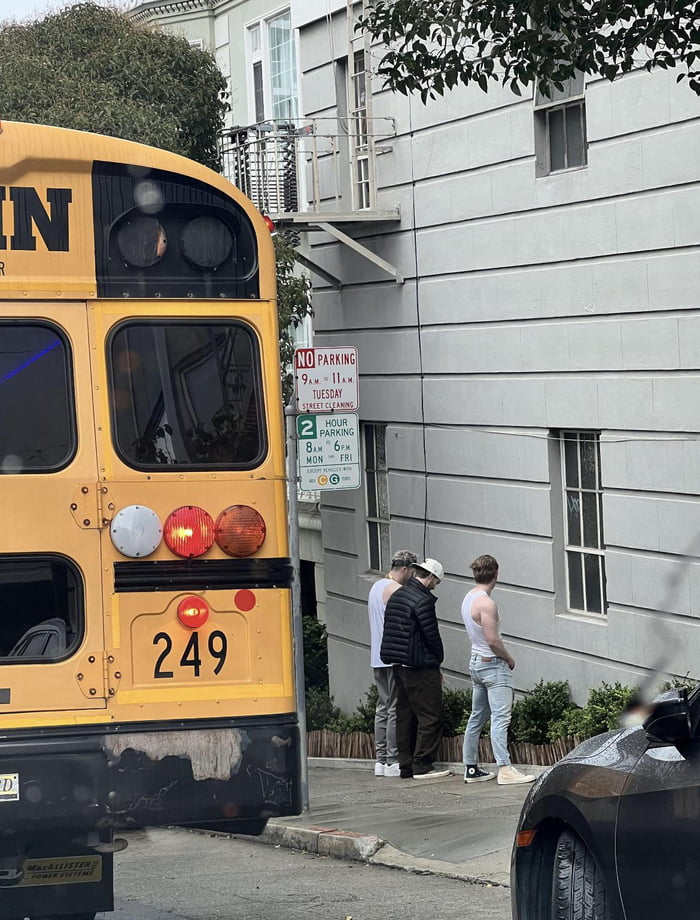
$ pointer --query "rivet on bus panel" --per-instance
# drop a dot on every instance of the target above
(86, 522)
(117, 674)
(91, 659)
(92, 691)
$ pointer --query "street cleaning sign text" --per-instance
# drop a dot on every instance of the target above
(326, 379)
(329, 451)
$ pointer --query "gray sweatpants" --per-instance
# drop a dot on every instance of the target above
(385, 717)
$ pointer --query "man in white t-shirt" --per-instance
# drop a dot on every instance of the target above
(387, 754)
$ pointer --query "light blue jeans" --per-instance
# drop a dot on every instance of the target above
(492, 694)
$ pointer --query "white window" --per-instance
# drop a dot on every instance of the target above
(377, 492)
(272, 69)
(560, 128)
(360, 133)
(583, 521)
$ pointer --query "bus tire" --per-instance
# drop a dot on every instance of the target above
(578, 889)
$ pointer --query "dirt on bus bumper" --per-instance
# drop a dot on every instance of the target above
(229, 775)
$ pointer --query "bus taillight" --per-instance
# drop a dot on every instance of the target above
(192, 612)
(240, 530)
(189, 531)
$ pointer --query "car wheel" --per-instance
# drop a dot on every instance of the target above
(578, 890)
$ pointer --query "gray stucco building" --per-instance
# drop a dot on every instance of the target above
(520, 277)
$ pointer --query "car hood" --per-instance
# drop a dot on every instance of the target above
(598, 766)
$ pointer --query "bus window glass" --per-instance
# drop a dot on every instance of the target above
(45, 595)
(187, 395)
(37, 434)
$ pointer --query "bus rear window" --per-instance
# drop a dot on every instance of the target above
(44, 593)
(37, 434)
(187, 394)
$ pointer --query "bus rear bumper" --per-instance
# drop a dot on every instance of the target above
(229, 775)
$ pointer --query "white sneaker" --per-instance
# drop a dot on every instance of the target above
(509, 776)
(379, 769)
(392, 769)
(433, 774)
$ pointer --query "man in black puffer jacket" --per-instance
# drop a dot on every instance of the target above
(411, 643)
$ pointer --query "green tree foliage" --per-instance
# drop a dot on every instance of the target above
(433, 45)
(293, 304)
(602, 713)
(362, 720)
(315, 653)
(533, 715)
(321, 711)
(456, 709)
(90, 68)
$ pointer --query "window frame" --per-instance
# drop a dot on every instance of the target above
(19, 559)
(256, 356)
(571, 97)
(577, 491)
(378, 526)
(258, 53)
(361, 140)
(69, 392)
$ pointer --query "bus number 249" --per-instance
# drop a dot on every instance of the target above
(217, 647)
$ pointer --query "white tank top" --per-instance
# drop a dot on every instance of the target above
(375, 606)
(476, 634)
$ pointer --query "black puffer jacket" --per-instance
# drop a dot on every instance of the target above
(411, 634)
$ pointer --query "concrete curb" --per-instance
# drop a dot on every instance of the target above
(324, 841)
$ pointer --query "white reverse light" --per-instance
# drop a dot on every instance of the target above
(136, 531)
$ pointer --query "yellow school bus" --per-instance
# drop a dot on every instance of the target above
(146, 662)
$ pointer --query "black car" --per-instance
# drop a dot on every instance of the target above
(612, 831)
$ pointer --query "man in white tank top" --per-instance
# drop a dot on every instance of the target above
(490, 667)
(387, 754)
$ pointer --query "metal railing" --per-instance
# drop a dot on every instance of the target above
(306, 165)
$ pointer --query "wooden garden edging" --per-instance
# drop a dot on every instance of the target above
(360, 745)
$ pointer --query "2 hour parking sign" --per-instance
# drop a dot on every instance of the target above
(329, 451)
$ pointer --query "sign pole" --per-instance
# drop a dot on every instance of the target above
(297, 616)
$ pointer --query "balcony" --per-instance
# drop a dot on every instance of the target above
(313, 174)
(310, 170)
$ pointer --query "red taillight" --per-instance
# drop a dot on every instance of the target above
(192, 612)
(240, 530)
(189, 531)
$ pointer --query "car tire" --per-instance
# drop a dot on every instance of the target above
(578, 890)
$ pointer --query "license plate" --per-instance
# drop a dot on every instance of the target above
(9, 787)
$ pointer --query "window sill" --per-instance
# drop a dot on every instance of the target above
(596, 619)
(562, 172)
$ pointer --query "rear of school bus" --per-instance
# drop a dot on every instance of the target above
(146, 666)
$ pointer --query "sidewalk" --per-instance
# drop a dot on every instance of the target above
(442, 826)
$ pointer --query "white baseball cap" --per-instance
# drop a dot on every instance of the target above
(432, 566)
